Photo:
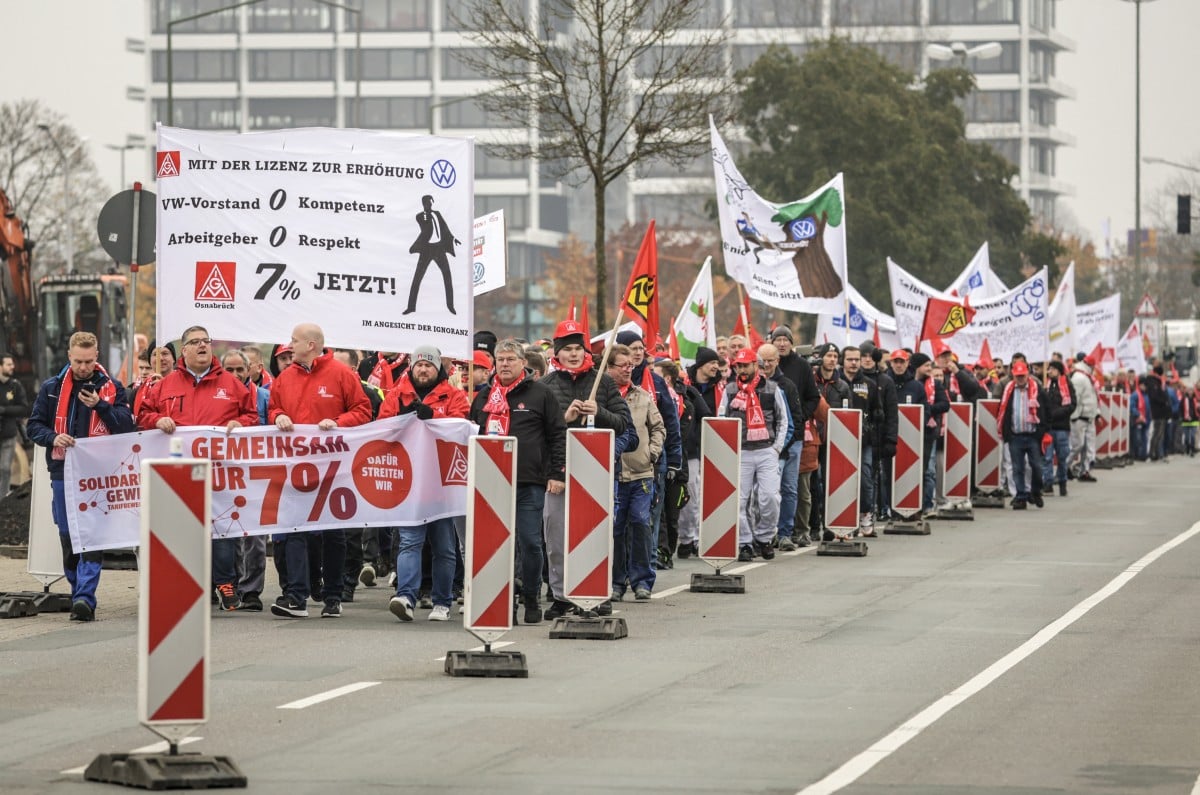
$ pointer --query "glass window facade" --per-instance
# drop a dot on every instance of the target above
(197, 66)
(672, 209)
(993, 106)
(973, 12)
(516, 208)
(163, 11)
(1008, 148)
(271, 113)
(777, 13)
(390, 113)
(469, 114)
(1007, 62)
(290, 16)
(391, 15)
(200, 114)
(489, 165)
(389, 64)
(744, 55)
(876, 12)
(270, 65)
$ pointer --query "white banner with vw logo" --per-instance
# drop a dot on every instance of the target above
(790, 256)
(1012, 322)
(490, 253)
(366, 233)
(866, 323)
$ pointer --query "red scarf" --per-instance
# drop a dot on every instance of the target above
(678, 402)
(382, 376)
(1030, 391)
(1064, 390)
(585, 367)
(746, 400)
(96, 426)
(496, 406)
(624, 388)
(648, 382)
(1141, 404)
(930, 394)
(1186, 403)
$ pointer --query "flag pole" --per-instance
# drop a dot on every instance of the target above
(608, 345)
(742, 310)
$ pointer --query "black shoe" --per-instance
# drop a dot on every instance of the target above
(746, 553)
(251, 602)
(533, 614)
(1086, 477)
(1062, 489)
(82, 611)
(1048, 490)
(1037, 500)
(333, 609)
(226, 598)
(641, 594)
(558, 609)
(1018, 505)
(604, 609)
(766, 550)
(425, 600)
(347, 594)
(802, 540)
(665, 560)
(685, 551)
(287, 607)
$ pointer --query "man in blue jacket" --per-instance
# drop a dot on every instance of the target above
(81, 401)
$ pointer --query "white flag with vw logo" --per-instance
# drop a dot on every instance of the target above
(489, 248)
(368, 234)
(791, 256)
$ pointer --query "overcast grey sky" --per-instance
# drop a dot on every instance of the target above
(71, 54)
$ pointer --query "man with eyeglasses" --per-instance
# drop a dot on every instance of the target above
(199, 391)
(315, 389)
(789, 461)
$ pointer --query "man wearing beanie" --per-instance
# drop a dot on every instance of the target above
(670, 463)
(919, 387)
(796, 369)
(705, 375)
(571, 384)
(1060, 402)
(424, 389)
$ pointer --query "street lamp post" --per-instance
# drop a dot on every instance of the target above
(64, 156)
(122, 148)
(1137, 138)
(1163, 161)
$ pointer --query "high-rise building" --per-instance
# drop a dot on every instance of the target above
(295, 63)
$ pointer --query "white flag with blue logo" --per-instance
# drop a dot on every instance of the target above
(1061, 325)
(978, 279)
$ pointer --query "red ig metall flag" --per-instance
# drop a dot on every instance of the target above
(641, 294)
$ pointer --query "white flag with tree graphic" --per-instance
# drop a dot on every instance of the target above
(693, 325)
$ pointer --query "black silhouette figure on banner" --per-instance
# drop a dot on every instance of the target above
(432, 245)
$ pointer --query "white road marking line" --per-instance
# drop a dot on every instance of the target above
(500, 644)
(858, 766)
(670, 591)
(796, 552)
(1196, 788)
(746, 567)
(327, 695)
(160, 747)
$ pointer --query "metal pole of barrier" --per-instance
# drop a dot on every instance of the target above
(173, 631)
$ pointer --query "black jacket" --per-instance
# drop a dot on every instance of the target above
(835, 390)
(611, 409)
(536, 420)
(864, 396)
(796, 369)
(792, 395)
(116, 416)
(889, 426)
(1057, 414)
(14, 407)
(1043, 418)
(909, 387)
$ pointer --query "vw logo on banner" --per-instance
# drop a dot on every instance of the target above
(479, 272)
(442, 173)
(802, 228)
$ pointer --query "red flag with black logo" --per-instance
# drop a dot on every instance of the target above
(640, 303)
(745, 327)
(944, 318)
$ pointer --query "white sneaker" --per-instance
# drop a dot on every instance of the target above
(367, 575)
(440, 613)
(401, 608)
(392, 580)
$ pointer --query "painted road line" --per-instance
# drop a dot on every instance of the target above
(327, 695)
(670, 591)
(160, 747)
(858, 766)
(746, 567)
(497, 645)
(1196, 787)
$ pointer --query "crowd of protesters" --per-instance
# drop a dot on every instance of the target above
(536, 391)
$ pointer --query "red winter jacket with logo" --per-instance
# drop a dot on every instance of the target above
(443, 399)
(216, 399)
(329, 390)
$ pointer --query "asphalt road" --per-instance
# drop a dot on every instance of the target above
(826, 666)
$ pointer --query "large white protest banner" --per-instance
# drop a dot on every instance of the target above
(1130, 353)
(978, 280)
(1099, 324)
(694, 325)
(865, 322)
(790, 256)
(1061, 326)
(489, 249)
(1012, 322)
(398, 471)
(363, 232)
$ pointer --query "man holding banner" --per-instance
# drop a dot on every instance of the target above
(315, 389)
(81, 401)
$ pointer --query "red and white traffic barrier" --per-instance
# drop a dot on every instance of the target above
(587, 559)
(956, 465)
(174, 586)
(908, 472)
(989, 447)
(1123, 415)
(1104, 426)
(720, 484)
(843, 462)
(490, 536)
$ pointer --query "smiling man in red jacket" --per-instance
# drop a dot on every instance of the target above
(315, 390)
(199, 391)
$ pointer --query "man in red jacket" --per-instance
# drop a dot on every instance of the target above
(199, 391)
(315, 390)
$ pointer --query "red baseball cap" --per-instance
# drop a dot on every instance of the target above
(746, 356)
(900, 354)
(481, 359)
(280, 349)
(1019, 368)
(568, 328)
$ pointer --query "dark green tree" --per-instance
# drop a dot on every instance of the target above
(916, 189)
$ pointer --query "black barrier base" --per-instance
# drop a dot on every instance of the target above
(491, 664)
(1102, 463)
(166, 771)
(992, 499)
(717, 583)
(842, 549)
(915, 527)
(960, 512)
(18, 604)
(51, 602)
(581, 628)
(1121, 462)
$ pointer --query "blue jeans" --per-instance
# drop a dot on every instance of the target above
(1062, 448)
(82, 570)
(531, 499)
(930, 446)
(224, 561)
(789, 490)
(295, 581)
(657, 504)
(631, 536)
(866, 476)
(444, 540)
(1137, 440)
(883, 494)
(1022, 447)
